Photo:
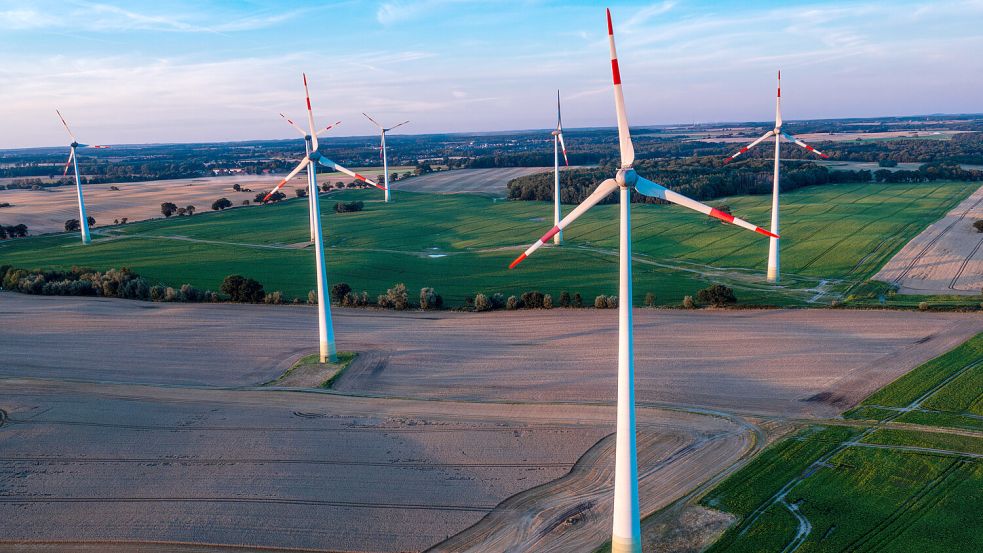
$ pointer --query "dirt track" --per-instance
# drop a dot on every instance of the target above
(946, 258)
(170, 441)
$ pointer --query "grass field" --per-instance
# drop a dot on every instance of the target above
(875, 489)
(946, 391)
(834, 237)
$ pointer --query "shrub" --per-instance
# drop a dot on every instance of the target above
(429, 299)
(395, 298)
(242, 290)
(978, 225)
(274, 298)
(167, 209)
(564, 299)
(512, 303)
(482, 303)
(274, 197)
(688, 302)
(348, 207)
(191, 294)
(649, 299)
(301, 192)
(612, 302)
(157, 293)
(73, 225)
(547, 302)
(532, 300)
(498, 300)
(923, 306)
(312, 297)
(717, 295)
(601, 302)
(221, 204)
(578, 301)
(170, 294)
(353, 299)
(339, 291)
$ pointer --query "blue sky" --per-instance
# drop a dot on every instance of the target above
(185, 71)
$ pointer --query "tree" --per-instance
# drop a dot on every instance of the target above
(482, 303)
(236, 187)
(532, 300)
(339, 291)
(72, 225)
(717, 295)
(887, 163)
(564, 299)
(649, 299)
(978, 225)
(123, 220)
(3, 234)
(429, 299)
(243, 290)
(167, 209)
(274, 197)
(181, 212)
(190, 210)
(301, 192)
(20, 230)
(221, 203)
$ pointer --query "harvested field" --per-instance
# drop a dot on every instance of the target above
(485, 182)
(815, 137)
(946, 258)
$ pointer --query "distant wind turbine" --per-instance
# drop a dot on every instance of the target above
(558, 146)
(626, 529)
(382, 146)
(778, 133)
(311, 180)
(73, 160)
(326, 340)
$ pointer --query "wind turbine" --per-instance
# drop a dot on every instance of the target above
(73, 160)
(311, 181)
(778, 133)
(313, 157)
(626, 530)
(558, 146)
(385, 160)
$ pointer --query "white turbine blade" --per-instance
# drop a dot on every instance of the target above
(559, 120)
(778, 103)
(70, 133)
(310, 116)
(294, 125)
(804, 145)
(768, 134)
(334, 166)
(603, 190)
(624, 136)
(292, 174)
(654, 190)
(71, 156)
(394, 126)
(374, 122)
(563, 148)
(328, 128)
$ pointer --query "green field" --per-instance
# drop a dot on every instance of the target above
(840, 488)
(834, 237)
(946, 391)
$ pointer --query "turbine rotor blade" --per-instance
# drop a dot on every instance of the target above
(603, 190)
(334, 166)
(768, 134)
(70, 133)
(374, 122)
(559, 120)
(563, 148)
(294, 125)
(292, 174)
(804, 145)
(394, 126)
(624, 136)
(651, 189)
(71, 156)
(778, 103)
(310, 116)
(328, 128)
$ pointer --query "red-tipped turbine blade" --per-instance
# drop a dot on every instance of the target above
(70, 133)
(563, 148)
(804, 145)
(374, 122)
(649, 188)
(778, 103)
(71, 156)
(292, 174)
(397, 125)
(603, 190)
(328, 128)
(749, 146)
(294, 125)
(310, 115)
(334, 166)
(624, 136)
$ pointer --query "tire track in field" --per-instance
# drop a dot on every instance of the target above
(23, 500)
(962, 266)
(934, 240)
(261, 461)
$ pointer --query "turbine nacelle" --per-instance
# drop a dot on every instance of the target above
(626, 177)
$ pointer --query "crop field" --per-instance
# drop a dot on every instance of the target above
(834, 237)
(946, 391)
(880, 488)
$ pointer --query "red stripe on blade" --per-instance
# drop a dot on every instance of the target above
(615, 71)
(760, 230)
(744, 149)
(517, 261)
(550, 234)
(610, 26)
(714, 212)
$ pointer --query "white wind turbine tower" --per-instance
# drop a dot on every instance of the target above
(326, 340)
(73, 160)
(558, 146)
(385, 159)
(626, 532)
(311, 180)
(778, 133)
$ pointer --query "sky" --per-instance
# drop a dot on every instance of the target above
(203, 71)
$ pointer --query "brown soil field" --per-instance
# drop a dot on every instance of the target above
(131, 426)
(46, 210)
(848, 136)
(946, 258)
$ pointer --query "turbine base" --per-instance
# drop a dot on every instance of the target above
(625, 545)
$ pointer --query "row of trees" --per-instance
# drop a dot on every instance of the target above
(167, 209)
(114, 283)
(13, 231)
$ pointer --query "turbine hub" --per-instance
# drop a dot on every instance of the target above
(555, 133)
(626, 177)
(74, 144)
(314, 156)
